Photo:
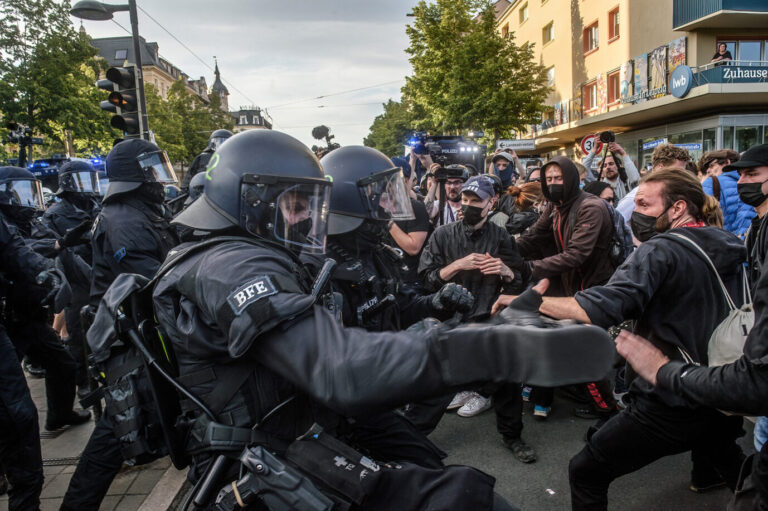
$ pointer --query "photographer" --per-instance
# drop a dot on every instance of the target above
(454, 177)
(617, 168)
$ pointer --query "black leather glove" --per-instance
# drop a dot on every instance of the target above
(51, 280)
(74, 236)
(453, 297)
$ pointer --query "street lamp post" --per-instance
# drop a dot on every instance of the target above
(98, 11)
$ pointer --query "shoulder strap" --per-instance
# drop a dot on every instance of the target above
(716, 188)
(731, 305)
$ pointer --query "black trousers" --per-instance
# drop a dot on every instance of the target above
(20, 455)
(38, 340)
(99, 464)
(645, 432)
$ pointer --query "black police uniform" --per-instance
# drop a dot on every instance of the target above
(130, 235)
(20, 456)
(200, 163)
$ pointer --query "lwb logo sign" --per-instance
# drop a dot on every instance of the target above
(681, 81)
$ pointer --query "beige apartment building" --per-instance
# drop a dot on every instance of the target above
(609, 64)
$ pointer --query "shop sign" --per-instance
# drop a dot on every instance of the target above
(646, 94)
(651, 145)
(689, 147)
(680, 81)
(739, 74)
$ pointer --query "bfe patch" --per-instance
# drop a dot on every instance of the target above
(255, 289)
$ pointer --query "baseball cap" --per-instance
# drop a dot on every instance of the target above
(504, 156)
(756, 156)
(481, 186)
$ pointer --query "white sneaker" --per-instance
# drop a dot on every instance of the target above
(476, 405)
(459, 399)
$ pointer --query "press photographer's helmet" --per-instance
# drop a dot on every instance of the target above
(217, 138)
(19, 189)
(135, 161)
(269, 184)
(366, 185)
(78, 176)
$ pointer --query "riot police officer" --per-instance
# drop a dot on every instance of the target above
(132, 234)
(200, 163)
(368, 193)
(28, 323)
(20, 456)
(253, 344)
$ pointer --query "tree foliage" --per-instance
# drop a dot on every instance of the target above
(47, 74)
(390, 129)
(466, 75)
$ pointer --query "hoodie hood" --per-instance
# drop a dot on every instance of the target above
(570, 180)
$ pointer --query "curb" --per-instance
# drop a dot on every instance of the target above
(165, 491)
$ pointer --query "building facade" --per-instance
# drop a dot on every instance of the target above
(251, 118)
(609, 63)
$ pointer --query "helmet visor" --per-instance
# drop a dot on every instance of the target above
(215, 143)
(24, 193)
(386, 195)
(86, 182)
(156, 167)
(293, 213)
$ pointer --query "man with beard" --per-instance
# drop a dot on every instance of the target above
(456, 175)
(621, 174)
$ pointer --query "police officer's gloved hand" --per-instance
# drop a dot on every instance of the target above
(51, 280)
(74, 236)
(453, 297)
(524, 309)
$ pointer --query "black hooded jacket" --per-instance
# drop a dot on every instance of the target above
(673, 294)
(582, 256)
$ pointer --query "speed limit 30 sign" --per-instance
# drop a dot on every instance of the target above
(588, 142)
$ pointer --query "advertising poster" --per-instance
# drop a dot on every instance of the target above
(658, 68)
(577, 105)
(676, 54)
(602, 94)
(641, 76)
(626, 79)
(558, 113)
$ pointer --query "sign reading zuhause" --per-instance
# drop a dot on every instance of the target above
(744, 74)
(516, 145)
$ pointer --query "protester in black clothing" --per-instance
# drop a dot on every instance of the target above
(130, 235)
(410, 237)
(654, 287)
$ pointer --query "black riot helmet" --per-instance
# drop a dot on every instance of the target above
(217, 138)
(78, 176)
(19, 189)
(196, 187)
(133, 162)
(269, 184)
(171, 192)
(366, 185)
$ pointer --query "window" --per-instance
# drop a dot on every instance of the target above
(505, 30)
(551, 77)
(613, 25)
(590, 96)
(590, 38)
(614, 88)
(750, 50)
(121, 54)
(548, 32)
(523, 13)
(243, 119)
(256, 120)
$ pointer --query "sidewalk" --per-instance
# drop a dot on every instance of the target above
(61, 449)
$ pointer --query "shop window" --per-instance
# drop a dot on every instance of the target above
(614, 88)
(548, 32)
(747, 136)
(551, 77)
(710, 140)
(590, 38)
(690, 141)
(523, 12)
(613, 25)
(727, 137)
(590, 96)
(505, 30)
(750, 51)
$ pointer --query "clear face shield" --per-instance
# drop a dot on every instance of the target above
(23, 193)
(86, 182)
(156, 167)
(386, 195)
(293, 212)
(215, 143)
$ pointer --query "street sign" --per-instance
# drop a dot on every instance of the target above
(588, 142)
(516, 145)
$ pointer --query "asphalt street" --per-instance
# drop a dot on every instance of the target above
(543, 485)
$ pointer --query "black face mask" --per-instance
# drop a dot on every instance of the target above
(153, 193)
(751, 193)
(645, 227)
(556, 192)
(471, 215)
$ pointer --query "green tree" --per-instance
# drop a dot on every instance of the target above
(47, 74)
(466, 75)
(390, 129)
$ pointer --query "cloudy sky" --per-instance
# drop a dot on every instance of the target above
(279, 54)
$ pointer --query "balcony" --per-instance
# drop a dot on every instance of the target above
(735, 71)
(696, 14)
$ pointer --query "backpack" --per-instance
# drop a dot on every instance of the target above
(620, 245)
(726, 344)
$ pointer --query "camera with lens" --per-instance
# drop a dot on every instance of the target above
(455, 171)
(606, 137)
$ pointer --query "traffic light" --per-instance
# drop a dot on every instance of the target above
(123, 100)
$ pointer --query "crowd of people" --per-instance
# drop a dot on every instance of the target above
(446, 293)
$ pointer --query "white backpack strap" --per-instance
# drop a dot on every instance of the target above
(747, 293)
(731, 305)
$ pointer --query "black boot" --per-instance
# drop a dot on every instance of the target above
(74, 418)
